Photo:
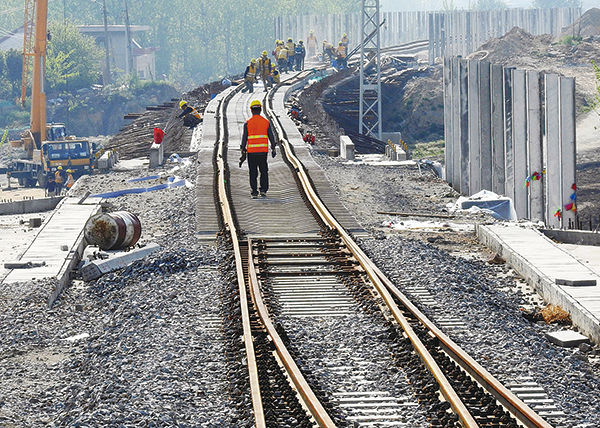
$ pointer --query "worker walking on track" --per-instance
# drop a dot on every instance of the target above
(255, 145)
(300, 54)
(59, 179)
(341, 55)
(291, 53)
(282, 58)
(250, 76)
(264, 66)
(311, 44)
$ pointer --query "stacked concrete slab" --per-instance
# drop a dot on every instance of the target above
(512, 132)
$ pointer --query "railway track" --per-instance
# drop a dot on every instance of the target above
(283, 280)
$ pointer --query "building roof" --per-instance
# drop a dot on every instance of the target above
(14, 40)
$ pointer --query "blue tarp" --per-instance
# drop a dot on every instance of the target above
(173, 182)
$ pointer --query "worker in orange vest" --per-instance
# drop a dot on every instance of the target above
(255, 145)
(70, 179)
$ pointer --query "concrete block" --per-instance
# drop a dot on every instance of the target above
(157, 155)
(97, 268)
(346, 147)
(567, 338)
(575, 282)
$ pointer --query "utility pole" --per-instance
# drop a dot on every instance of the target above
(128, 49)
(370, 84)
(106, 71)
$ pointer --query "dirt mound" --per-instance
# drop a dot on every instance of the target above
(586, 26)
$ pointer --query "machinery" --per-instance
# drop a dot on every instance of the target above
(47, 145)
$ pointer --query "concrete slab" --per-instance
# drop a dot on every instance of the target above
(64, 227)
(97, 268)
(542, 262)
(567, 338)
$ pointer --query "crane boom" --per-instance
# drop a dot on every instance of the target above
(27, 46)
(38, 96)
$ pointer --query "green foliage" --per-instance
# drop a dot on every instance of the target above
(596, 102)
(570, 40)
(11, 69)
(73, 60)
(491, 4)
(548, 4)
(431, 150)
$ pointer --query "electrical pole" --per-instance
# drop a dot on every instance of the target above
(106, 71)
(370, 83)
(128, 49)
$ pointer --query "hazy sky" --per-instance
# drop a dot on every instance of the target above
(400, 5)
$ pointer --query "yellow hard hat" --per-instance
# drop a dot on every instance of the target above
(344, 34)
(300, 41)
(311, 31)
(69, 171)
(253, 61)
(265, 53)
(255, 103)
(324, 41)
(289, 39)
(60, 167)
(182, 103)
(339, 43)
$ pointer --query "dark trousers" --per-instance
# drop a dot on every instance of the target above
(258, 162)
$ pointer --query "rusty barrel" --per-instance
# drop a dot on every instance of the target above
(112, 231)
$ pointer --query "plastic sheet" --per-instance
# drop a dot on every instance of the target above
(499, 207)
(172, 182)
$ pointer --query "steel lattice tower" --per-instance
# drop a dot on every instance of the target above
(370, 71)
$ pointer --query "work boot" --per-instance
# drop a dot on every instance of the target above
(254, 195)
(263, 194)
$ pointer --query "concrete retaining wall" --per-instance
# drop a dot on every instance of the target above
(30, 205)
(577, 237)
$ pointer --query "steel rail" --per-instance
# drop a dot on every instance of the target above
(385, 287)
(259, 414)
(309, 398)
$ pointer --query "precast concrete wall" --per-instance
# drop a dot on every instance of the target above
(510, 132)
(449, 33)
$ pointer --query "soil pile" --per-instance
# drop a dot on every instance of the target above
(586, 26)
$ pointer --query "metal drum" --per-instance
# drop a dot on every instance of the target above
(112, 231)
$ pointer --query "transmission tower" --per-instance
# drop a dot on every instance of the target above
(370, 71)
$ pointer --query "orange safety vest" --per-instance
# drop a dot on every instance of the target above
(195, 113)
(70, 181)
(258, 139)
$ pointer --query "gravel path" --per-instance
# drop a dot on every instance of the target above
(141, 347)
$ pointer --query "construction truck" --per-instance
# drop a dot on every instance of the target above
(57, 149)
(47, 145)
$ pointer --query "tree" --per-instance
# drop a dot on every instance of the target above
(490, 4)
(11, 70)
(548, 4)
(71, 59)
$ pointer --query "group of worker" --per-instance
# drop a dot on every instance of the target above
(60, 180)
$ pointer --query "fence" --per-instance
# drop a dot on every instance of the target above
(449, 33)
(513, 132)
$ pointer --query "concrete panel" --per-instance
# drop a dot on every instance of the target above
(448, 135)
(346, 147)
(474, 126)
(464, 127)
(509, 167)
(519, 112)
(552, 150)
(497, 95)
(455, 180)
(534, 147)
(567, 156)
(485, 124)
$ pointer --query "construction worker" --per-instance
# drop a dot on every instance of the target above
(275, 77)
(341, 55)
(345, 41)
(50, 186)
(59, 179)
(70, 179)
(328, 51)
(291, 48)
(311, 44)
(264, 66)
(282, 58)
(190, 115)
(255, 145)
(250, 76)
(300, 54)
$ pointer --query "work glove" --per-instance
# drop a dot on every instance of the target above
(242, 158)
(273, 153)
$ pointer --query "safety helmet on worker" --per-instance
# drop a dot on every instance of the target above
(339, 43)
(324, 41)
(311, 31)
(255, 104)
(265, 53)
(300, 41)
(344, 35)
(253, 61)
(182, 103)
(60, 167)
(290, 39)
